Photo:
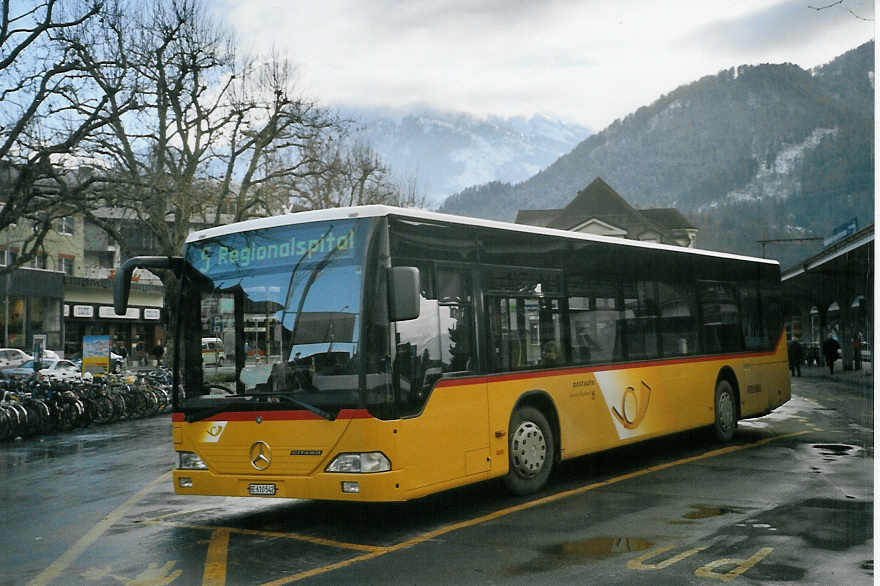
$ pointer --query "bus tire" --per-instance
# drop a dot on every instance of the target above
(531, 449)
(725, 411)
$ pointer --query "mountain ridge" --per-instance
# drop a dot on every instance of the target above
(744, 153)
(443, 152)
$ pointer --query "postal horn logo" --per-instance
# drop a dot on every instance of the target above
(633, 406)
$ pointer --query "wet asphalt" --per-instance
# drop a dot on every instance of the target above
(790, 501)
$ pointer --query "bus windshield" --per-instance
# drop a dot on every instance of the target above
(273, 317)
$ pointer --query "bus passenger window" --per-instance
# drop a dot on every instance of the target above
(752, 326)
(593, 314)
(721, 321)
(678, 329)
(640, 301)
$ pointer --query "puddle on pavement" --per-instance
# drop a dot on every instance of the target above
(599, 547)
(574, 552)
(835, 449)
(827, 524)
(704, 512)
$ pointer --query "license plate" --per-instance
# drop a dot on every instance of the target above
(261, 489)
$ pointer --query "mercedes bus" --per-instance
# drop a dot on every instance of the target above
(383, 354)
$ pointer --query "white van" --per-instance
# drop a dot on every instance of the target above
(213, 352)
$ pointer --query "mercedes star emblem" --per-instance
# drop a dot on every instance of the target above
(260, 455)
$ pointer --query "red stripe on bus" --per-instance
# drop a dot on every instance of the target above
(275, 415)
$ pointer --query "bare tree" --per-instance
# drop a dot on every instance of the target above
(47, 108)
(213, 134)
(350, 174)
(843, 4)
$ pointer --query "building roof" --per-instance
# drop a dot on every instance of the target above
(669, 218)
(598, 200)
(535, 217)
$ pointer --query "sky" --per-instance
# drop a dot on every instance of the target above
(585, 61)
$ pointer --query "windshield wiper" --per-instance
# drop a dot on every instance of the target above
(299, 402)
(198, 414)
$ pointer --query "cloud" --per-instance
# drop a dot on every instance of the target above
(788, 25)
(585, 60)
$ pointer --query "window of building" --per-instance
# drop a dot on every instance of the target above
(65, 264)
(41, 261)
(65, 225)
(8, 256)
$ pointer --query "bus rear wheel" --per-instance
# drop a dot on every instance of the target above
(531, 449)
(725, 411)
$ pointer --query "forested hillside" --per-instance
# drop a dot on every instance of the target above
(752, 152)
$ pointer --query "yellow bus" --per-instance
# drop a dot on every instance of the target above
(404, 352)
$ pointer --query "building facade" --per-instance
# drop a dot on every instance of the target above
(831, 294)
(66, 293)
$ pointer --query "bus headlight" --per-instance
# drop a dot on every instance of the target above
(190, 461)
(363, 462)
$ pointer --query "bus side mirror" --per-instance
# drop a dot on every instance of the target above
(404, 293)
(122, 286)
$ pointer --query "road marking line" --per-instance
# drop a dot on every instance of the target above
(178, 514)
(525, 506)
(68, 557)
(293, 536)
(215, 560)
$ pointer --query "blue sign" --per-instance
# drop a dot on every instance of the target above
(847, 229)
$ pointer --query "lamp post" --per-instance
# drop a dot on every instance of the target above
(6, 294)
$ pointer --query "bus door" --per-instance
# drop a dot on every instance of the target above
(443, 405)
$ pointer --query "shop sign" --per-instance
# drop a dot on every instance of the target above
(151, 313)
(108, 312)
(83, 311)
(66, 310)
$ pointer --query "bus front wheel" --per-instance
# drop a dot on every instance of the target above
(725, 411)
(531, 448)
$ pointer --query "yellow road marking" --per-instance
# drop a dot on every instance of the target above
(215, 561)
(525, 506)
(742, 566)
(62, 563)
(293, 536)
(68, 557)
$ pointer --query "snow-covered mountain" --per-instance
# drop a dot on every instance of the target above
(444, 152)
(755, 150)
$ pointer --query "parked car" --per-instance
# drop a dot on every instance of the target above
(10, 357)
(48, 368)
(51, 354)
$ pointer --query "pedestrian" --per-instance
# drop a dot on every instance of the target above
(831, 351)
(158, 352)
(795, 356)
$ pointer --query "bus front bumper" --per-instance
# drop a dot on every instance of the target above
(376, 487)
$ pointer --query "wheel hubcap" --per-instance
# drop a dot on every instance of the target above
(528, 449)
(725, 411)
